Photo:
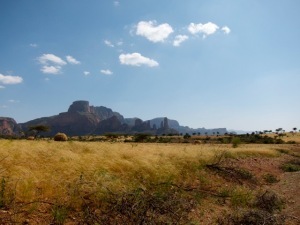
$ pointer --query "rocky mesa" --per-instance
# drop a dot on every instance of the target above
(84, 119)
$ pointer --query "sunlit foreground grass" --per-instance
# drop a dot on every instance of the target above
(57, 178)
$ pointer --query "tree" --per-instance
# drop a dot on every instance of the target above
(38, 129)
(187, 136)
(295, 129)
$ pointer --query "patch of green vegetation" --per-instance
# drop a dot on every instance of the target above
(59, 213)
(236, 141)
(290, 167)
(261, 210)
(241, 197)
(270, 178)
(283, 151)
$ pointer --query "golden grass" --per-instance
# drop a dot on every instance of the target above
(288, 137)
(66, 172)
(46, 169)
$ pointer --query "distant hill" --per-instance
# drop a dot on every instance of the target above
(83, 119)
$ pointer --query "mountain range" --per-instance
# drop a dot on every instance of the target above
(83, 119)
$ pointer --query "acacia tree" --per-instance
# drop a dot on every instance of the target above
(38, 129)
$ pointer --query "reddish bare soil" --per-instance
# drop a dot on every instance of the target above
(287, 185)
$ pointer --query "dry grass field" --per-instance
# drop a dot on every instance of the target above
(48, 182)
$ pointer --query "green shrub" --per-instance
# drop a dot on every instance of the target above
(241, 197)
(236, 141)
(187, 136)
(59, 213)
(291, 166)
(141, 137)
(270, 178)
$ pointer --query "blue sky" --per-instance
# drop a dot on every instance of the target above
(208, 63)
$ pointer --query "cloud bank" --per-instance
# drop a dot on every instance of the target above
(160, 32)
(136, 59)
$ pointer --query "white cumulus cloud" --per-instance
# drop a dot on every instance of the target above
(226, 30)
(52, 64)
(108, 43)
(106, 72)
(206, 29)
(7, 79)
(33, 45)
(179, 39)
(72, 60)
(51, 69)
(153, 32)
(47, 59)
(86, 73)
(136, 59)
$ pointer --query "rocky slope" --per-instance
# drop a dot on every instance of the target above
(8, 126)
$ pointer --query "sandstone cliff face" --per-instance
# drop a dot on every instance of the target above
(8, 126)
(74, 123)
(80, 107)
(110, 125)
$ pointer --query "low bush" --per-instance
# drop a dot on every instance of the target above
(291, 166)
(269, 201)
(60, 137)
(236, 141)
(251, 217)
(270, 178)
(159, 204)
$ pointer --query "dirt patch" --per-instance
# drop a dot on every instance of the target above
(268, 174)
(289, 188)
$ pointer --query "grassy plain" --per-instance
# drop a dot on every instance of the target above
(74, 182)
